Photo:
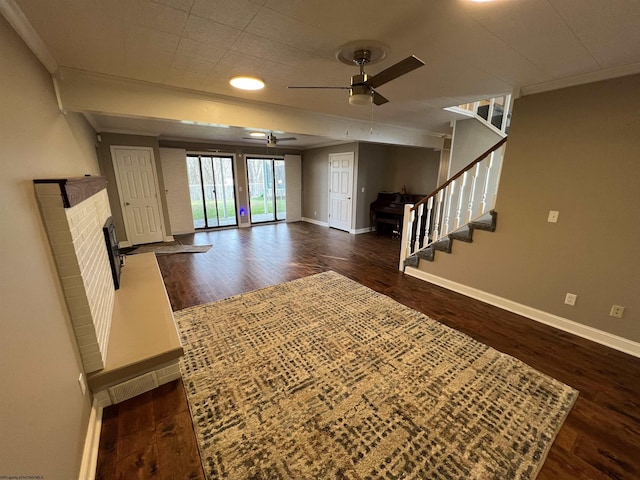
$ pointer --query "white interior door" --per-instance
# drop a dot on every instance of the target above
(340, 190)
(135, 174)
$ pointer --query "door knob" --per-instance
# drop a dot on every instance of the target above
(127, 203)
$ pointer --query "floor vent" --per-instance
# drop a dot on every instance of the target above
(133, 387)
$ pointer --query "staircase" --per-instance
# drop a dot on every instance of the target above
(461, 205)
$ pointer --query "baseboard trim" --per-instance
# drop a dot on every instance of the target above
(91, 444)
(315, 222)
(358, 231)
(604, 338)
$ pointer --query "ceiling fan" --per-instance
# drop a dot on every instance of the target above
(272, 141)
(362, 90)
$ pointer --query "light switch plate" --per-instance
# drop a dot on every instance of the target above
(570, 299)
(553, 216)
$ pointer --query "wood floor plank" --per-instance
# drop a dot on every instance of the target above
(107, 451)
(601, 434)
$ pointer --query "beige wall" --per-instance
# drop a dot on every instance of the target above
(574, 150)
(372, 163)
(315, 179)
(43, 415)
(378, 168)
(106, 167)
(414, 168)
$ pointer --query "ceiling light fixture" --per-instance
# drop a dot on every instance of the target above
(257, 134)
(245, 82)
(360, 95)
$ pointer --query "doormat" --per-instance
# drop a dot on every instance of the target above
(167, 249)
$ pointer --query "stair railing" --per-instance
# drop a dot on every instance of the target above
(463, 198)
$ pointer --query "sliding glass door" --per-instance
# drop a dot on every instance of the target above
(212, 190)
(267, 191)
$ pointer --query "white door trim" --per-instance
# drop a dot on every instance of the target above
(166, 238)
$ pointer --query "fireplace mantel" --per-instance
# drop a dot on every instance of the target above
(77, 189)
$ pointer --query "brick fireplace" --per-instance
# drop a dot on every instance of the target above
(74, 212)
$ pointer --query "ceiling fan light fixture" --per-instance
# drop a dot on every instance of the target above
(360, 95)
(257, 134)
(245, 82)
(360, 99)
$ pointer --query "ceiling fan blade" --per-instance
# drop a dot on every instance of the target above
(394, 71)
(378, 99)
(285, 139)
(335, 88)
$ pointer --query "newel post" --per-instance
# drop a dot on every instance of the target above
(407, 222)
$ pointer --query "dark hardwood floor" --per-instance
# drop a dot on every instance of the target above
(151, 436)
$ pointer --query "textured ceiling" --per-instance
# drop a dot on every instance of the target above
(471, 50)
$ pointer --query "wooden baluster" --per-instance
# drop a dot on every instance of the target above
(479, 189)
(450, 201)
(463, 201)
(410, 230)
(473, 177)
(406, 242)
(490, 182)
(438, 216)
(420, 226)
(493, 179)
(428, 228)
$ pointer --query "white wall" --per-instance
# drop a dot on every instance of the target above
(43, 415)
(471, 138)
(293, 179)
(176, 183)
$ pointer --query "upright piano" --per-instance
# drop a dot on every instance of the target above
(387, 211)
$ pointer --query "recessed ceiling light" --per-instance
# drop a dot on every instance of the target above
(258, 134)
(246, 83)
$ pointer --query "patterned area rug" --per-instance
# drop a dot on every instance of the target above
(173, 248)
(324, 378)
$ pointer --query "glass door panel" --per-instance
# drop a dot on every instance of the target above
(212, 191)
(267, 194)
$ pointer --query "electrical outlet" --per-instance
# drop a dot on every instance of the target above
(616, 311)
(553, 216)
(315, 214)
(83, 384)
(570, 299)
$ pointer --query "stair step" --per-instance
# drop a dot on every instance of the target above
(443, 245)
(465, 234)
(487, 223)
(411, 261)
(427, 254)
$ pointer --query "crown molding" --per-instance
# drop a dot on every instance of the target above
(582, 79)
(17, 19)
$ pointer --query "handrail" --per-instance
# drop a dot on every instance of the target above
(461, 172)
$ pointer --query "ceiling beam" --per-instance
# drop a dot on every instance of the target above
(92, 93)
